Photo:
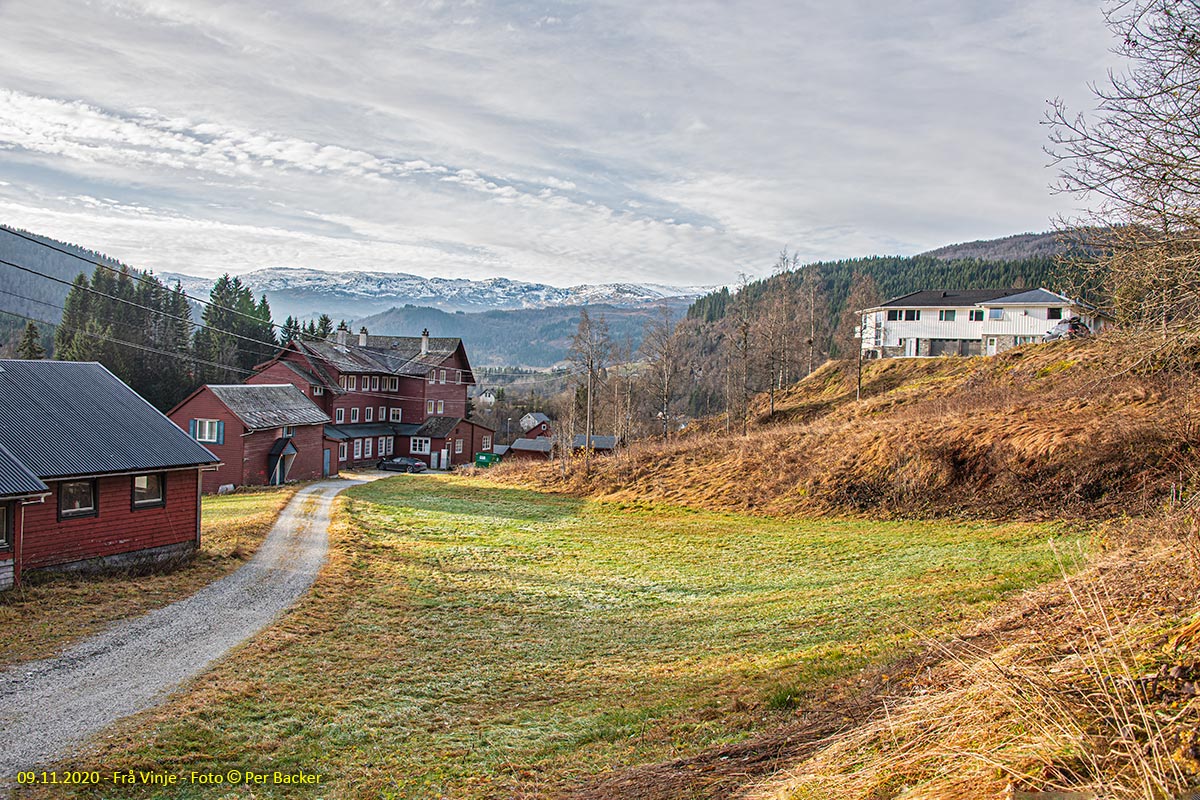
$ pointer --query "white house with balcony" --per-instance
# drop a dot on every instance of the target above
(969, 322)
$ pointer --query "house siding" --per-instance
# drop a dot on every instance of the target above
(205, 405)
(117, 529)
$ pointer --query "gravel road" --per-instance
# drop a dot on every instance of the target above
(50, 707)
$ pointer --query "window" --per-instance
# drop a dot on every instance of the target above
(428, 406)
(442, 376)
(342, 381)
(6, 525)
(441, 406)
(208, 430)
(354, 415)
(391, 445)
(370, 417)
(382, 445)
(288, 431)
(318, 391)
(976, 315)
(342, 451)
(419, 446)
(352, 382)
(339, 416)
(394, 384)
(397, 413)
(367, 448)
(357, 449)
(1053, 313)
(911, 314)
(77, 499)
(995, 313)
(458, 445)
(149, 490)
(458, 376)
(374, 383)
(433, 376)
(382, 413)
(946, 315)
(487, 443)
(893, 314)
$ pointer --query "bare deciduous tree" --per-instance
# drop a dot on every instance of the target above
(591, 349)
(664, 363)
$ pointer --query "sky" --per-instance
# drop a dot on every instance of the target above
(561, 142)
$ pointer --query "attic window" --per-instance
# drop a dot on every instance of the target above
(318, 390)
(441, 376)
(395, 384)
(995, 313)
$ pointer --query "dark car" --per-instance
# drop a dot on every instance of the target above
(402, 464)
(1072, 328)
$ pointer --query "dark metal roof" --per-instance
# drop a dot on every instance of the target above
(268, 405)
(385, 355)
(500, 449)
(1033, 297)
(438, 427)
(62, 418)
(15, 479)
(598, 442)
(950, 298)
(283, 447)
(361, 430)
(538, 445)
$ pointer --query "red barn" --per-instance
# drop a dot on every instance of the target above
(263, 433)
(380, 392)
(91, 475)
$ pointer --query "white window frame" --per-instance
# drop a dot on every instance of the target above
(342, 381)
(397, 414)
(441, 376)
(339, 416)
(354, 415)
(441, 406)
(381, 448)
(382, 413)
(395, 384)
(419, 445)
(318, 390)
(154, 502)
(357, 449)
(428, 406)
(391, 445)
(458, 445)
(203, 433)
(369, 414)
(343, 451)
(367, 442)
(995, 314)
(351, 383)
(287, 431)
(374, 383)
(486, 444)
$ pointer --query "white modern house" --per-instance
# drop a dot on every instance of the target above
(970, 322)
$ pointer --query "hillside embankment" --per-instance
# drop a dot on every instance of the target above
(1083, 429)
(1088, 687)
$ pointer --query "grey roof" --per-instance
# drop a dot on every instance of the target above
(536, 418)
(361, 430)
(1033, 297)
(268, 405)
(541, 444)
(385, 355)
(500, 449)
(65, 418)
(15, 478)
(952, 298)
(598, 442)
(438, 427)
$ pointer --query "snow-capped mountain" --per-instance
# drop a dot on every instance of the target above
(308, 292)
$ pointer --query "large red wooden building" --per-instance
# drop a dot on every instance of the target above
(263, 434)
(386, 395)
(91, 475)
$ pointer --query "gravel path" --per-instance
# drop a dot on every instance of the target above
(49, 707)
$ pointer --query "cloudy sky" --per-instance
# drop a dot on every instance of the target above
(564, 142)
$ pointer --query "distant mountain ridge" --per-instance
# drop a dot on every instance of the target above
(1018, 247)
(306, 293)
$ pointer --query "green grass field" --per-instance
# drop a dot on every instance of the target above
(473, 641)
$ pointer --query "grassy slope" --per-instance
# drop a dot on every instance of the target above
(1071, 429)
(473, 641)
(52, 612)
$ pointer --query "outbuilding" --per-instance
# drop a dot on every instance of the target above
(91, 475)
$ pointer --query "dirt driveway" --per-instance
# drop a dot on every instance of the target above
(50, 707)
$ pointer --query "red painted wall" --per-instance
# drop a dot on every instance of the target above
(308, 441)
(205, 405)
(117, 528)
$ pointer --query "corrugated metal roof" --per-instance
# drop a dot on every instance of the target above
(438, 427)
(598, 442)
(385, 355)
(15, 479)
(538, 445)
(360, 430)
(62, 418)
(268, 405)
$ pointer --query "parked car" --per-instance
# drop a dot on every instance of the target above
(1072, 328)
(402, 464)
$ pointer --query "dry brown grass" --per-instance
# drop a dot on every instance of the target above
(49, 613)
(1073, 429)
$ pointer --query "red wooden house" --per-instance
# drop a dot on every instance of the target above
(91, 475)
(386, 395)
(263, 433)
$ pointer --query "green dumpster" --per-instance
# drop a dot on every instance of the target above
(486, 459)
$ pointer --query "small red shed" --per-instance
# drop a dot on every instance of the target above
(263, 433)
(91, 475)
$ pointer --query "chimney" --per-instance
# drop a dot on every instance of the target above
(341, 336)
(425, 342)
(362, 337)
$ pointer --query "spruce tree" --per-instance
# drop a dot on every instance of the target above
(30, 346)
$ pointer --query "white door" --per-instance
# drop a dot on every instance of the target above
(433, 459)
(910, 348)
(991, 345)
